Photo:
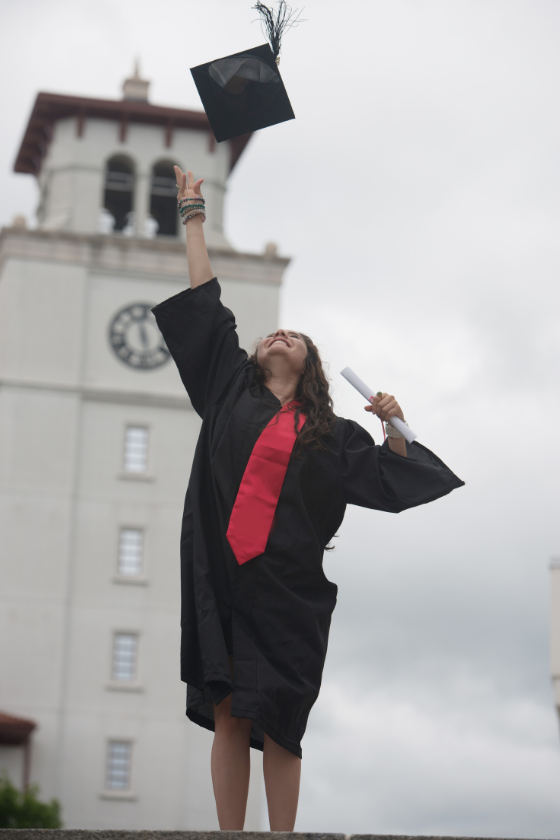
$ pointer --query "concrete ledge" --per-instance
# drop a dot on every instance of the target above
(84, 834)
(160, 259)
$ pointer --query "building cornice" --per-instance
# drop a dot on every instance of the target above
(104, 395)
(50, 107)
(156, 258)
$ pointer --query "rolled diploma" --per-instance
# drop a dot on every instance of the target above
(366, 392)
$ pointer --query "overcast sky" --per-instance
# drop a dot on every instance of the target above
(417, 192)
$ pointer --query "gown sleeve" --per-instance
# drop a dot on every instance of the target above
(375, 477)
(202, 338)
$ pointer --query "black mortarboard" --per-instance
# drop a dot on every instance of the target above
(244, 92)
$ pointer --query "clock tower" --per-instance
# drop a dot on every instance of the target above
(92, 415)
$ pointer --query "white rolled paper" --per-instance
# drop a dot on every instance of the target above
(368, 394)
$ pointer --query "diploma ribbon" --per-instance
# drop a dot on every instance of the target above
(380, 394)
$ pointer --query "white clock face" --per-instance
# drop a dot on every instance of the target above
(135, 338)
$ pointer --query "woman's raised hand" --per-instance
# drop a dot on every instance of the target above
(187, 186)
(385, 406)
(200, 270)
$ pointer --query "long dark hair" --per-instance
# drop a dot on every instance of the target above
(313, 396)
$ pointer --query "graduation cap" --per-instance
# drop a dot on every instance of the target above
(244, 91)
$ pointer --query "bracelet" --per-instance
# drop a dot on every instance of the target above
(392, 432)
(193, 214)
(196, 211)
(185, 208)
(190, 198)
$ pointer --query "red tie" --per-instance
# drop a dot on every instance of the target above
(259, 491)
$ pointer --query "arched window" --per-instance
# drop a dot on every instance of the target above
(163, 198)
(118, 199)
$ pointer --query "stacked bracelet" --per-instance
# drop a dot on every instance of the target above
(191, 206)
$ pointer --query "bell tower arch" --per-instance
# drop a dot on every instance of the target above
(87, 152)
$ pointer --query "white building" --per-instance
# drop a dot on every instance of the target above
(555, 632)
(92, 415)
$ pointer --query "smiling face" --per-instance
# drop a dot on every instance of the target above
(284, 346)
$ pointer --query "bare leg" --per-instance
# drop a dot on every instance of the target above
(231, 765)
(282, 770)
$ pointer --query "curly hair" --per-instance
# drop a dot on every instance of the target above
(313, 396)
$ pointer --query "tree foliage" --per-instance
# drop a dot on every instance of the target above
(24, 810)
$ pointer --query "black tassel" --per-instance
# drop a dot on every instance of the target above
(275, 26)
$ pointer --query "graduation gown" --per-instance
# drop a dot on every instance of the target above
(273, 613)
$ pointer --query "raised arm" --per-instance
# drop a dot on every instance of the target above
(200, 270)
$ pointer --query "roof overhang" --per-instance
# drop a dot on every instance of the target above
(15, 730)
(50, 107)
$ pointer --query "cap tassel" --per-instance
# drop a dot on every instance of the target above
(275, 25)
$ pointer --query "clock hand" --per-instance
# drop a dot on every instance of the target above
(144, 336)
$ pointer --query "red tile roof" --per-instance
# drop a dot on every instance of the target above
(15, 730)
(50, 107)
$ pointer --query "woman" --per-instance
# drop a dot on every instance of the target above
(255, 616)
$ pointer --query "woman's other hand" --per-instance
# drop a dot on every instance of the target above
(385, 406)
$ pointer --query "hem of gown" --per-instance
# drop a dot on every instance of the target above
(286, 743)
(206, 723)
(268, 730)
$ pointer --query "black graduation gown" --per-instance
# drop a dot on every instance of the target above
(272, 613)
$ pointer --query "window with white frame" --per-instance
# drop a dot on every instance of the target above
(125, 654)
(118, 769)
(136, 449)
(131, 551)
